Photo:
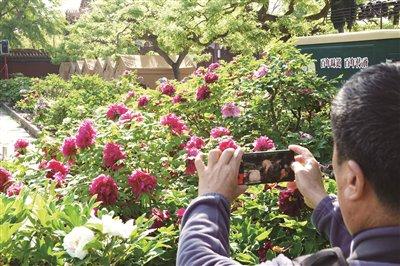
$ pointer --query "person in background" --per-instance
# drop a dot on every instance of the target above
(362, 222)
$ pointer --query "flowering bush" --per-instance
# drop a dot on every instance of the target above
(134, 154)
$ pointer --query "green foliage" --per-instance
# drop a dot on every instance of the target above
(12, 90)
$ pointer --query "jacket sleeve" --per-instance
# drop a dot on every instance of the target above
(328, 220)
(204, 236)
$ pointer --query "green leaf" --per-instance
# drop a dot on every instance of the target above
(264, 235)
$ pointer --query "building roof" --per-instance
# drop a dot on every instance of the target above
(28, 53)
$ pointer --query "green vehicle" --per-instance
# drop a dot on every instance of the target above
(346, 53)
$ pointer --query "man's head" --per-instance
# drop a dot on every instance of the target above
(366, 127)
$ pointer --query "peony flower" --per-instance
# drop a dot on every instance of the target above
(213, 66)
(262, 251)
(218, 132)
(20, 146)
(160, 217)
(305, 136)
(14, 189)
(263, 143)
(195, 142)
(130, 94)
(68, 147)
(167, 89)
(75, 241)
(290, 202)
(116, 110)
(261, 72)
(227, 143)
(105, 188)
(130, 116)
(190, 165)
(115, 227)
(230, 110)
(86, 135)
(179, 214)
(200, 71)
(113, 155)
(175, 123)
(202, 93)
(178, 99)
(143, 100)
(210, 77)
(56, 171)
(5, 179)
(141, 182)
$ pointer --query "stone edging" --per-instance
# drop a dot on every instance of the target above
(28, 126)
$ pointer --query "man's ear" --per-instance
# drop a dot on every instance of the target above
(355, 181)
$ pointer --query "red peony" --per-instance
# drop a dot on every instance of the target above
(262, 251)
(68, 147)
(218, 132)
(202, 93)
(227, 143)
(14, 189)
(143, 100)
(86, 135)
(191, 155)
(160, 217)
(20, 146)
(290, 202)
(179, 214)
(113, 156)
(213, 66)
(116, 110)
(167, 89)
(56, 171)
(141, 182)
(195, 142)
(5, 179)
(175, 123)
(178, 99)
(263, 143)
(210, 77)
(105, 188)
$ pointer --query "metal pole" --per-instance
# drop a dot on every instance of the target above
(5, 66)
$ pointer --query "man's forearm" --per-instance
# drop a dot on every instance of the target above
(328, 220)
(204, 237)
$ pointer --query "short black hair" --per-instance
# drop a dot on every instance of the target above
(365, 120)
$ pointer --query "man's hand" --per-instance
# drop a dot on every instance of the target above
(221, 173)
(308, 176)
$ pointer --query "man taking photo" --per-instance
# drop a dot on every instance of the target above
(362, 222)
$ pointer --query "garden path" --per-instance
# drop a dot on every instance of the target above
(10, 131)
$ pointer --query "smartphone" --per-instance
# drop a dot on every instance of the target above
(266, 167)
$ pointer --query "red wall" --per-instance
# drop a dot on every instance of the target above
(30, 68)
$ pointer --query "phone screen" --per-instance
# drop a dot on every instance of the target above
(266, 167)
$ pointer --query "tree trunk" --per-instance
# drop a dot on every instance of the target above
(176, 70)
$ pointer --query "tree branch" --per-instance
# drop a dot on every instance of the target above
(321, 14)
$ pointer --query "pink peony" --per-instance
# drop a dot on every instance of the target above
(290, 202)
(219, 132)
(262, 251)
(105, 188)
(305, 136)
(200, 71)
(20, 146)
(178, 99)
(14, 189)
(160, 217)
(263, 143)
(167, 89)
(179, 214)
(210, 77)
(213, 66)
(261, 72)
(116, 110)
(175, 123)
(113, 156)
(195, 142)
(5, 179)
(143, 100)
(86, 135)
(141, 182)
(230, 110)
(202, 93)
(68, 147)
(191, 155)
(227, 143)
(130, 94)
(56, 171)
(130, 116)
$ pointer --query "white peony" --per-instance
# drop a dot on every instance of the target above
(75, 241)
(116, 227)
